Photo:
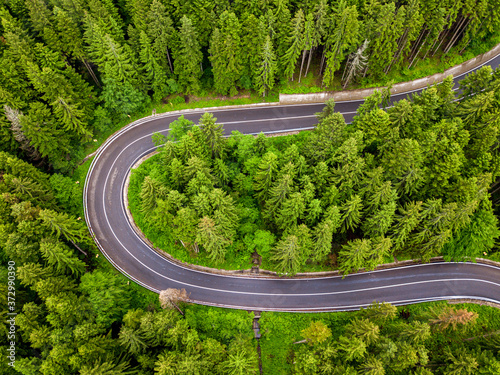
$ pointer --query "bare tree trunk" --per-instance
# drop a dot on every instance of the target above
(302, 63)
(322, 61)
(426, 52)
(301, 341)
(441, 38)
(470, 39)
(75, 245)
(399, 51)
(177, 307)
(417, 42)
(309, 61)
(483, 336)
(91, 72)
(457, 34)
(345, 67)
(367, 65)
(169, 62)
(418, 52)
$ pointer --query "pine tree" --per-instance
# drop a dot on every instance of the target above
(188, 57)
(132, 339)
(150, 192)
(372, 366)
(380, 221)
(265, 175)
(153, 71)
(356, 64)
(278, 194)
(353, 348)
(213, 134)
(365, 330)
(64, 225)
(296, 42)
(253, 36)
(412, 25)
(282, 31)
(288, 255)
(343, 37)
(292, 209)
(267, 68)
(352, 213)
(451, 317)
(225, 54)
(162, 33)
(379, 313)
(461, 362)
(210, 237)
(415, 332)
(61, 257)
(405, 222)
(186, 228)
(353, 255)
(323, 235)
(316, 333)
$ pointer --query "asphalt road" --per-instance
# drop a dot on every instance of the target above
(107, 220)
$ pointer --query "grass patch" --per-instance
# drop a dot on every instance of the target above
(218, 323)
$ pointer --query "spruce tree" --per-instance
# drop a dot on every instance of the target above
(225, 54)
(296, 42)
(188, 57)
(267, 68)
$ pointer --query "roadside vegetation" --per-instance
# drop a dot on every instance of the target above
(429, 338)
(408, 181)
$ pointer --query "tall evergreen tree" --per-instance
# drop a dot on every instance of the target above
(267, 67)
(296, 42)
(225, 54)
(188, 57)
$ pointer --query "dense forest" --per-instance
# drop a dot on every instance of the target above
(411, 180)
(77, 315)
(70, 68)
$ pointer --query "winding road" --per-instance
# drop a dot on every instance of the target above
(107, 219)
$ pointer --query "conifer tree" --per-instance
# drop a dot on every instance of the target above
(188, 57)
(352, 212)
(213, 135)
(153, 71)
(267, 68)
(282, 31)
(287, 254)
(210, 237)
(323, 235)
(61, 257)
(225, 54)
(296, 42)
(342, 38)
(162, 33)
(64, 225)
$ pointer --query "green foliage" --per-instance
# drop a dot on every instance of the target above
(107, 294)
(403, 182)
(385, 344)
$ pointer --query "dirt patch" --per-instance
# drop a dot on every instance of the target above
(476, 301)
